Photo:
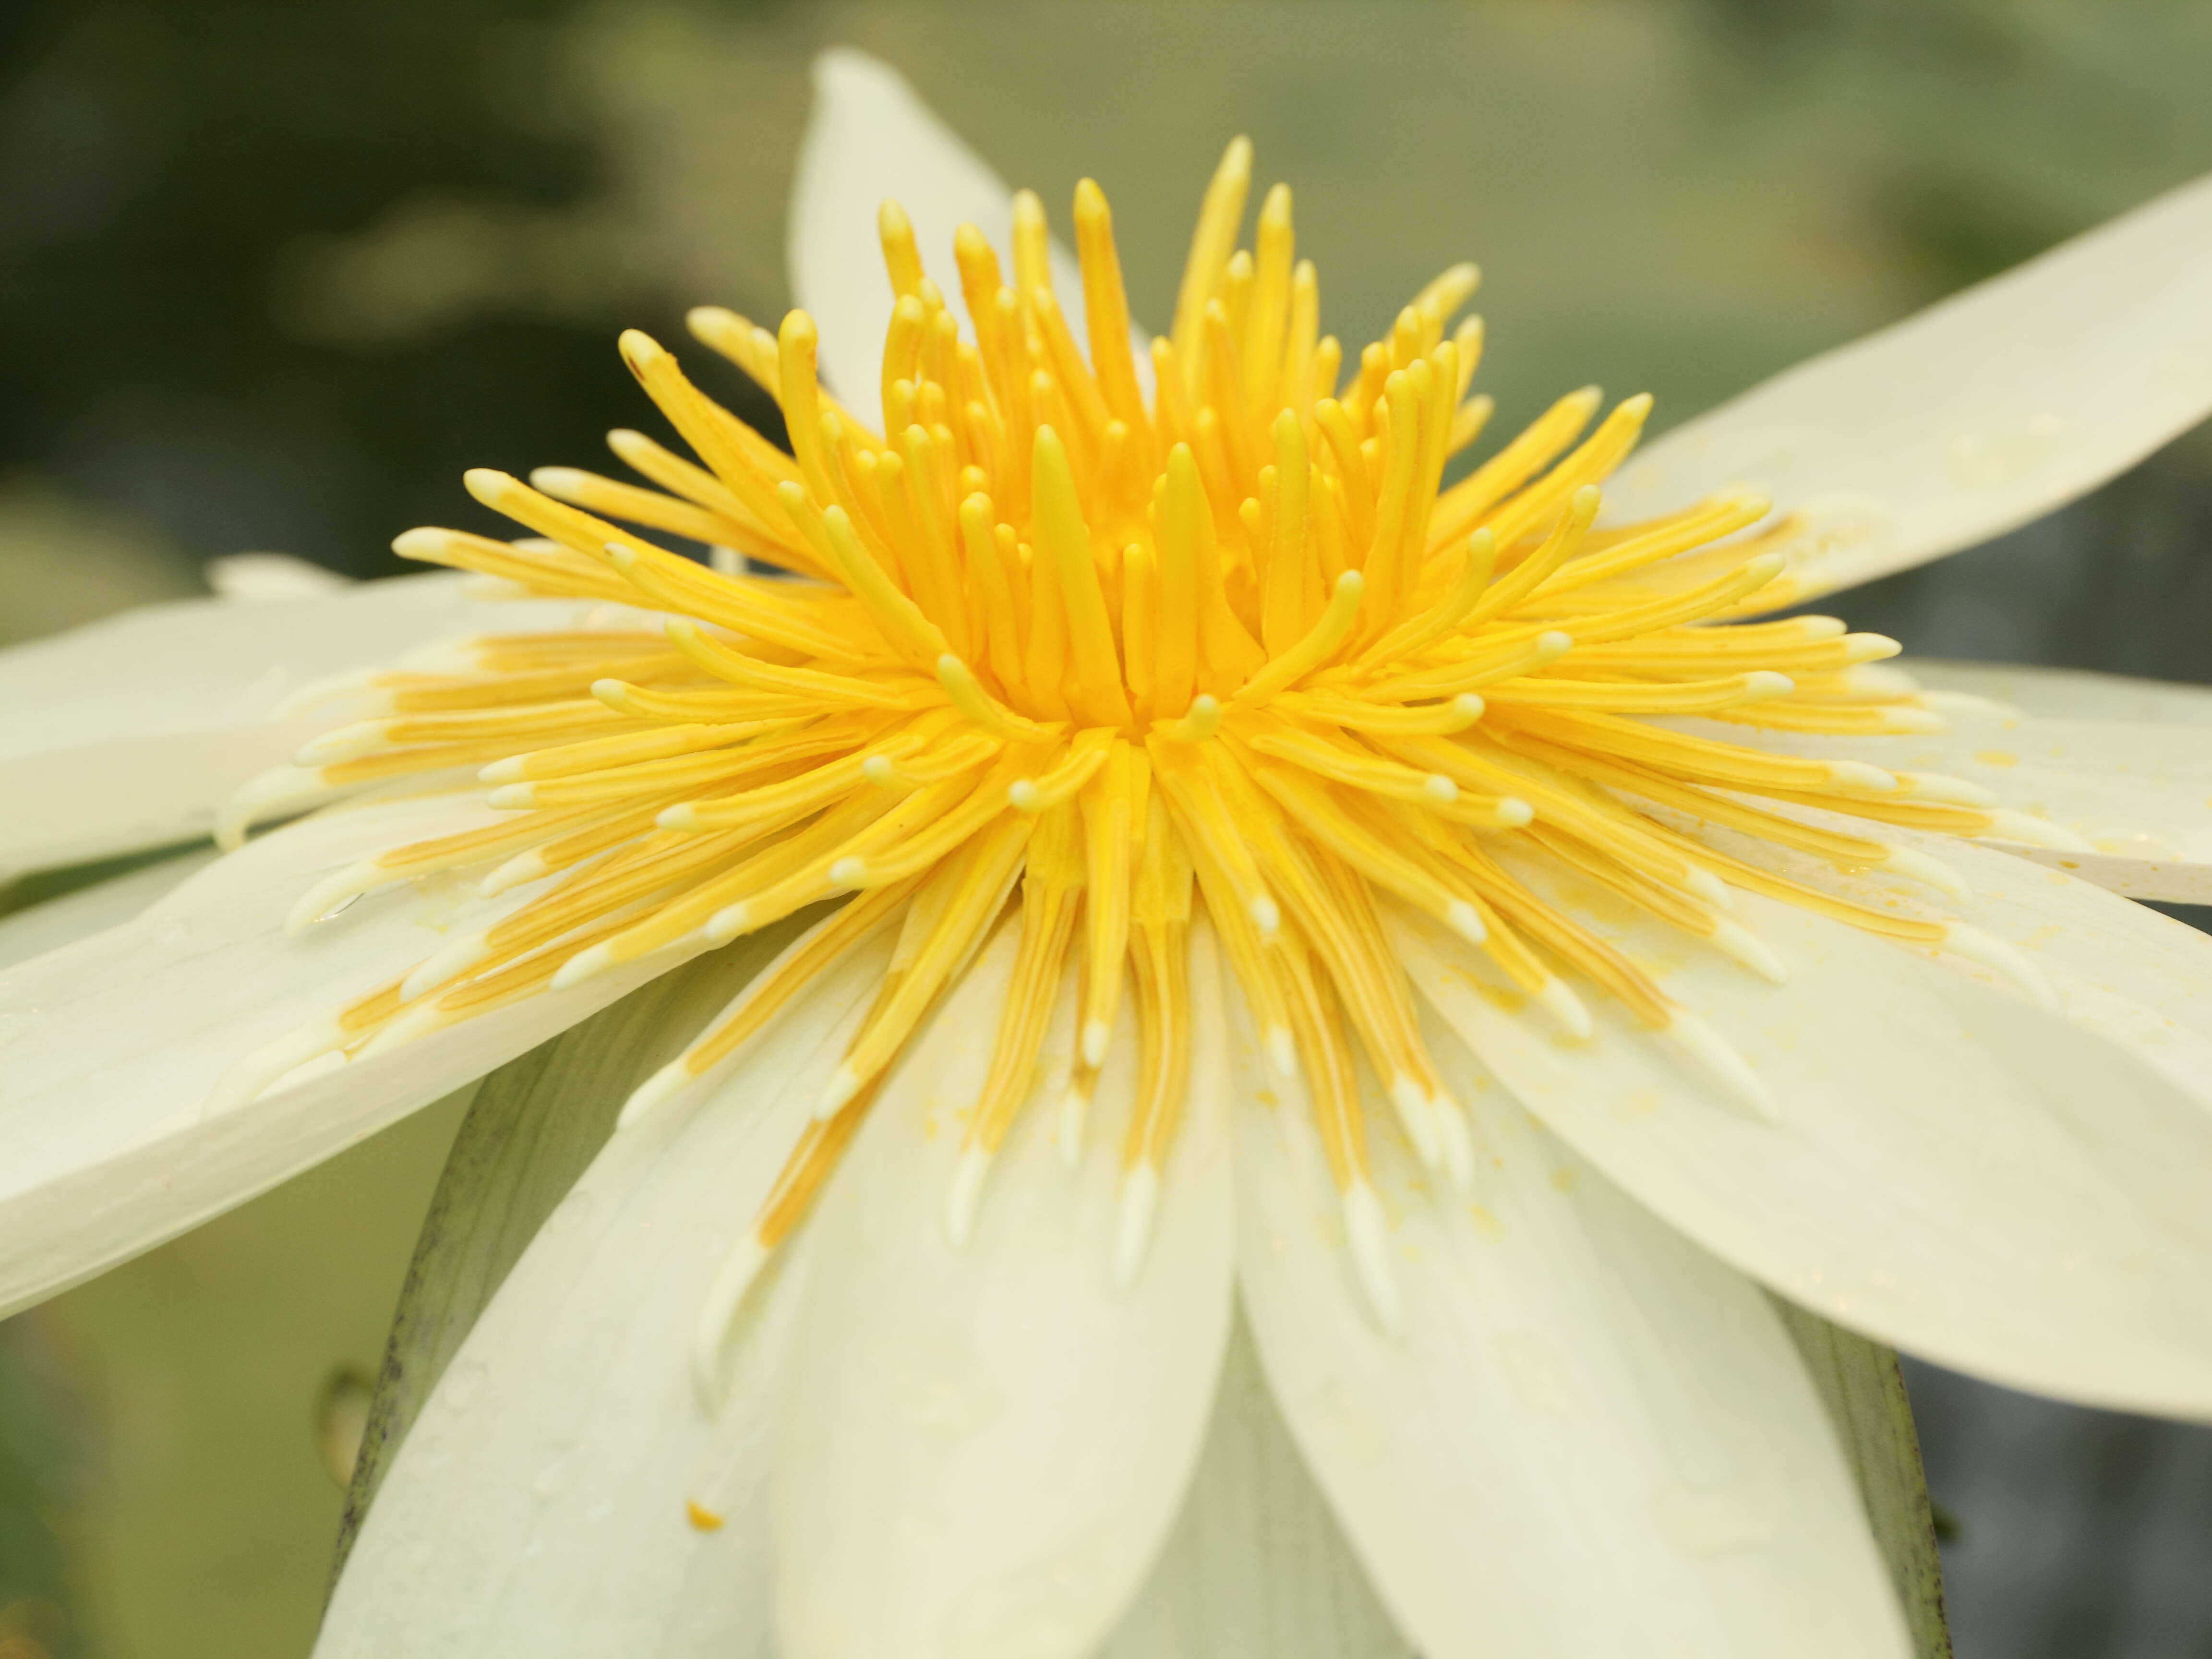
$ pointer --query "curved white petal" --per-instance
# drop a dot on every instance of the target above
(982, 1451)
(1256, 1567)
(871, 139)
(2068, 694)
(88, 911)
(538, 1507)
(2139, 795)
(131, 732)
(109, 1046)
(1950, 1168)
(1592, 1438)
(1980, 413)
(2114, 967)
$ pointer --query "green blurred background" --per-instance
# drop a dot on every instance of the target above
(272, 274)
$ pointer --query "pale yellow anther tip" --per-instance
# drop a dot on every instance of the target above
(1859, 774)
(421, 543)
(503, 771)
(1369, 1235)
(585, 964)
(638, 350)
(513, 797)
(844, 1083)
(877, 768)
(1763, 682)
(657, 1090)
(1467, 922)
(1139, 1204)
(1096, 1035)
(1513, 812)
(849, 871)
(2004, 958)
(1439, 788)
(965, 1197)
(1282, 1051)
(1023, 796)
(488, 485)
(556, 480)
(726, 923)
(682, 816)
(1266, 916)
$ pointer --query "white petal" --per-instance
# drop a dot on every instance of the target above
(130, 732)
(538, 1507)
(2117, 968)
(88, 911)
(1257, 1567)
(2068, 694)
(1592, 1438)
(2140, 795)
(1951, 1170)
(871, 139)
(109, 1046)
(1979, 414)
(982, 1451)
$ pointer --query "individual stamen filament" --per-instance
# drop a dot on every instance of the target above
(1160, 955)
(1052, 893)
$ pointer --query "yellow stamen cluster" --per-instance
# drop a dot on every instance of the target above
(1204, 632)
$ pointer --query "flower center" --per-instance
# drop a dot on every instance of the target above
(1222, 645)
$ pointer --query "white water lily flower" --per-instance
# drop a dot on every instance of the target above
(1443, 923)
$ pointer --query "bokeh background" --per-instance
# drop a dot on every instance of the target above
(272, 275)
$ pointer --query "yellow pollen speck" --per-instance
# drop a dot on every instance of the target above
(702, 1518)
(1997, 757)
(1104, 665)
